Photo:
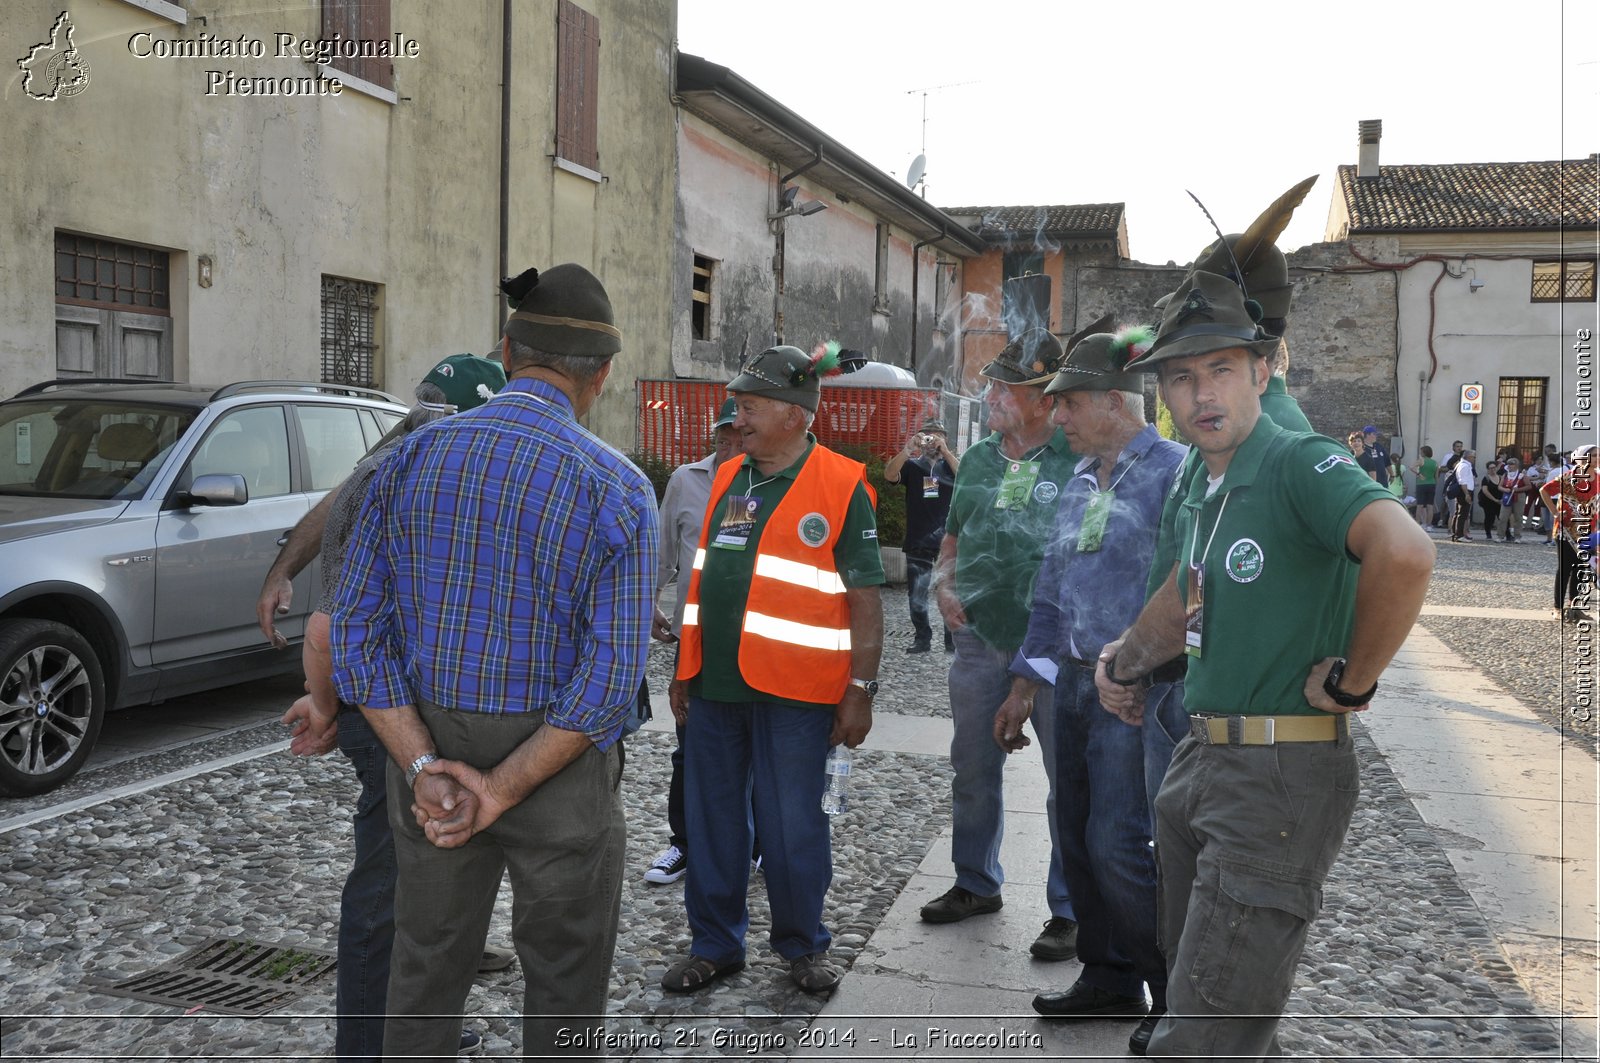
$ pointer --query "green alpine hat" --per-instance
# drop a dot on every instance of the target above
(1265, 277)
(725, 415)
(1032, 359)
(1207, 313)
(1099, 362)
(788, 374)
(563, 310)
(466, 380)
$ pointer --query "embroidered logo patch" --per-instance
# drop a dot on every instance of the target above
(813, 529)
(1335, 459)
(870, 533)
(1245, 561)
(1045, 492)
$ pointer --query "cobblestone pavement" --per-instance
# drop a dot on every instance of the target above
(1400, 965)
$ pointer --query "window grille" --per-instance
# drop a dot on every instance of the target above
(1520, 418)
(104, 273)
(349, 331)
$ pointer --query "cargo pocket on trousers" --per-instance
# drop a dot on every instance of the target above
(1255, 932)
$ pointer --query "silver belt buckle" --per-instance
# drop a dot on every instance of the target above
(1271, 724)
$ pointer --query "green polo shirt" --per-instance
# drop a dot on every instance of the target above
(1285, 412)
(725, 579)
(998, 550)
(1280, 587)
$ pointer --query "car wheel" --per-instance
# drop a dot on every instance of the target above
(52, 702)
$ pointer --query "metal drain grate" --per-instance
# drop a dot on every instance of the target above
(229, 977)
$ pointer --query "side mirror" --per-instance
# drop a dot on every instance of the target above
(215, 489)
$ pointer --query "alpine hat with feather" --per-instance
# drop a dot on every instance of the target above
(1207, 313)
(788, 374)
(1099, 362)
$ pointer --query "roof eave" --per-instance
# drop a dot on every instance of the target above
(721, 97)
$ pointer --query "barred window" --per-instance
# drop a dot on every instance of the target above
(1564, 281)
(700, 297)
(103, 273)
(1520, 420)
(349, 332)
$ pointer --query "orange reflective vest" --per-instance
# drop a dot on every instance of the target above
(794, 641)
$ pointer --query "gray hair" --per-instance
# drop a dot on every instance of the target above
(580, 369)
(420, 414)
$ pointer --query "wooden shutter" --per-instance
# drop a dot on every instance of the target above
(360, 20)
(577, 84)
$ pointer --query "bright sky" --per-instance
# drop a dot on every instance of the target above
(1067, 101)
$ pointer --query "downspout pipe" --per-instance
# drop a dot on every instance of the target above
(502, 308)
(916, 307)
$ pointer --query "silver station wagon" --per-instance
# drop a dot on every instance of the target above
(137, 521)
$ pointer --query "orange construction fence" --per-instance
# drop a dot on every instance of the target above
(675, 417)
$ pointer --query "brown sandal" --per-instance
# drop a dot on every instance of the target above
(696, 972)
(813, 973)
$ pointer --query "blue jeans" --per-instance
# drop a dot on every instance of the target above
(1166, 723)
(366, 907)
(979, 682)
(765, 759)
(1103, 821)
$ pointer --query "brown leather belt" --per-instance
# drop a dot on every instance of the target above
(1266, 730)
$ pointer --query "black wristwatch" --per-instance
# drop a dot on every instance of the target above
(1111, 674)
(1330, 687)
(869, 687)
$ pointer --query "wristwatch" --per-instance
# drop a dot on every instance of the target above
(1330, 687)
(416, 767)
(1111, 674)
(869, 687)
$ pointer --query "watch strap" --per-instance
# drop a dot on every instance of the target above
(416, 767)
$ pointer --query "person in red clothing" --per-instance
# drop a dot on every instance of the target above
(1570, 495)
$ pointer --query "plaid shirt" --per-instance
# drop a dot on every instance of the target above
(504, 561)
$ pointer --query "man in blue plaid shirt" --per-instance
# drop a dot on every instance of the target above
(492, 623)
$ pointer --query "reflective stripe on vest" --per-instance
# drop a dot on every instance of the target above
(796, 634)
(799, 574)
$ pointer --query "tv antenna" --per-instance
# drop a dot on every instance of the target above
(919, 165)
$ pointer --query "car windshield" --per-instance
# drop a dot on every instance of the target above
(86, 448)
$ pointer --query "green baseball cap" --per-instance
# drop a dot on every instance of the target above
(466, 380)
(725, 415)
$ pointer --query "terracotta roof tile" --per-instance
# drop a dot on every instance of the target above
(1056, 220)
(1479, 195)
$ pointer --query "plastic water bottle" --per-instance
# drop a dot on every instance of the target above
(835, 799)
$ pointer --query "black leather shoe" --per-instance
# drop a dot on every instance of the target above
(1139, 1040)
(1086, 1002)
(957, 904)
(920, 647)
(1057, 941)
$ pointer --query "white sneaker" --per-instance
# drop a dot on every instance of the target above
(669, 867)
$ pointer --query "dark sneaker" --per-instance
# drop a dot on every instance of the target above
(471, 1043)
(958, 904)
(920, 647)
(1086, 1002)
(1058, 940)
(668, 868)
(1139, 1040)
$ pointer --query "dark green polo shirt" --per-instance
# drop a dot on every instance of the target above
(725, 579)
(1285, 412)
(998, 550)
(1279, 584)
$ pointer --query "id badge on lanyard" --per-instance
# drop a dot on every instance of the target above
(738, 522)
(1092, 528)
(1194, 609)
(1016, 485)
(930, 486)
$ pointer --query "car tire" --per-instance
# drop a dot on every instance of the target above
(52, 703)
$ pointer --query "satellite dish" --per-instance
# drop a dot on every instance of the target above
(914, 174)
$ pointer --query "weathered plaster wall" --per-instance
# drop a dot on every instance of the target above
(725, 192)
(281, 190)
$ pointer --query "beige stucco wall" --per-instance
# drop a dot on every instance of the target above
(281, 190)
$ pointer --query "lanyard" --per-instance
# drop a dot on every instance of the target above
(1195, 532)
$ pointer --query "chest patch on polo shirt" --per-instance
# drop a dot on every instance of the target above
(813, 529)
(1245, 561)
(1335, 459)
(1045, 492)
